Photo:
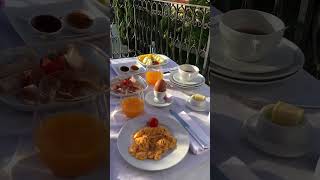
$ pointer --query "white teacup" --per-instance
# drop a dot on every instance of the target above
(292, 136)
(249, 35)
(188, 72)
(159, 96)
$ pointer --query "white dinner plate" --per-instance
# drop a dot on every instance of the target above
(253, 82)
(170, 159)
(94, 55)
(249, 131)
(166, 60)
(184, 86)
(150, 96)
(197, 80)
(298, 59)
(281, 57)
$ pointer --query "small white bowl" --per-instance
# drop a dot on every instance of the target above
(46, 33)
(79, 30)
(197, 103)
(285, 135)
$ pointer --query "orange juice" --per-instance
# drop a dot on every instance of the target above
(132, 106)
(153, 76)
(72, 144)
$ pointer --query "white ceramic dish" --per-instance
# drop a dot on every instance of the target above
(52, 34)
(17, 16)
(79, 30)
(93, 54)
(280, 150)
(199, 79)
(149, 98)
(139, 79)
(116, 68)
(188, 72)
(247, 46)
(165, 61)
(253, 82)
(284, 59)
(183, 86)
(197, 108)
(172, 158)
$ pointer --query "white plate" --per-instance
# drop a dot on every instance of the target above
(280, 58)
(149, 99)
(172, 158)
(165, 61)
(19, 18)
(116, 67)
(298, 60)
(279, 150)
(184, 86)
(139, 79)
(253, 82)
(197, 80)
(93, 54)
(197, 108)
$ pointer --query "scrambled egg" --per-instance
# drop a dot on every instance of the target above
(151, 143)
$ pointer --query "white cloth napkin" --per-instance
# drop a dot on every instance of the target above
(194, 146)
(235, 169)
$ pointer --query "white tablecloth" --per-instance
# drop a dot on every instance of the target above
(190, 168)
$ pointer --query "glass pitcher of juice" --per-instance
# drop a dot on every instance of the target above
(153, 74)
(71, 142)
(132, 106)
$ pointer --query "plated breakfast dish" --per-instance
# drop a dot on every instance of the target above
(61, 75)
(152, 141)
(152, 60)
(127, 85)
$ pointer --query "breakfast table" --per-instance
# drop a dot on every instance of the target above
(18, 158)
(229, 113)
(191, 167)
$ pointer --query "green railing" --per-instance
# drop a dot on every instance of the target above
(180, 31)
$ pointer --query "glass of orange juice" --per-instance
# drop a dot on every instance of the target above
(72, 141)
(133, 105)
(153, 74)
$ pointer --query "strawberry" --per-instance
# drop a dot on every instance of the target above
(153, 122)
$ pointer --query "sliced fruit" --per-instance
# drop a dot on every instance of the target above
(287, 114)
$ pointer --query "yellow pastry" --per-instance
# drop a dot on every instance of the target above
(287, 114)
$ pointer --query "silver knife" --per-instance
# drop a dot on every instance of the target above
(188, 128)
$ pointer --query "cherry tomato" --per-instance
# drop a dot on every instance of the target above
(153, 122)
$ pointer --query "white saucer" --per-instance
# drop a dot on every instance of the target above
(196, 108)
(197, 80)
(248, 130)
(185, 86)
(253, 82)
(149, 99)
(281, 57)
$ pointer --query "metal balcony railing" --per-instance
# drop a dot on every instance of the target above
(180, 31)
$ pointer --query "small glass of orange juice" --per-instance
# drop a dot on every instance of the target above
(153, 74)
(71, 141)
(132, 106)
